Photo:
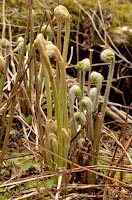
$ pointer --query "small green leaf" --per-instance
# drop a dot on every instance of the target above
(13, 160)
(50, 183)
(26, 167)
(102, 78)
(104, 162)
(7, 172)
(12, 132)
(108, 126)
(79, 65)
(2, 190)
(2, 171)
(29, 119)
(35, 165)
(27, 157)
(27, 48)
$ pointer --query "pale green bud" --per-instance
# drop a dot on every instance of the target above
(96, 77)
(87, 104)
(65, 135)
(51, 136)
(92, 93)
(61, 13)
(80, 118)
(75, 90)
(51, 126)
(50, 50)
(19, 40)
(83, 65)
(46, 31)
(107, 55)
(5, 43)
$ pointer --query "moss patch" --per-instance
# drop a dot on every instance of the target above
(18, 12)
(121, 10)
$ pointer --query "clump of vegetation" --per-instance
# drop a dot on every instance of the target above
(55, 128)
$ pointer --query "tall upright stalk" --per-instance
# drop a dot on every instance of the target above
(107, 56)
(47, 87)
(31, 66)
(2, 72)
(39, 118)
(41, 45)
(4, 64)
(15, 87)
(52, 50)
(62, 15)
(4, 44)
(47, 31)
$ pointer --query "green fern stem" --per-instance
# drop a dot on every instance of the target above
(107, 91)
(47, 87)
(40, 43)
(66, 39)
(52, 50)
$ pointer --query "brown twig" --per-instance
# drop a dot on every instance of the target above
(76, 165)
(96, 131)
(78, 133)
(121, 157)
(12, 108)
(4, 20)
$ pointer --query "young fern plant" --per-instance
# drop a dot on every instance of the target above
(88, 105)
(40, 44)
(47, 87)
(62, 15)
(97, 79)
(50, 128)
(54, 146)
(80, 118)
(53, 51)
(19, 44)
(47, 32)
(82, 66)
(109, 57)
(73, 92)
(66, 136)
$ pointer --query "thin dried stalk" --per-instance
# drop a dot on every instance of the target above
(82, 167)
(12, 108)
